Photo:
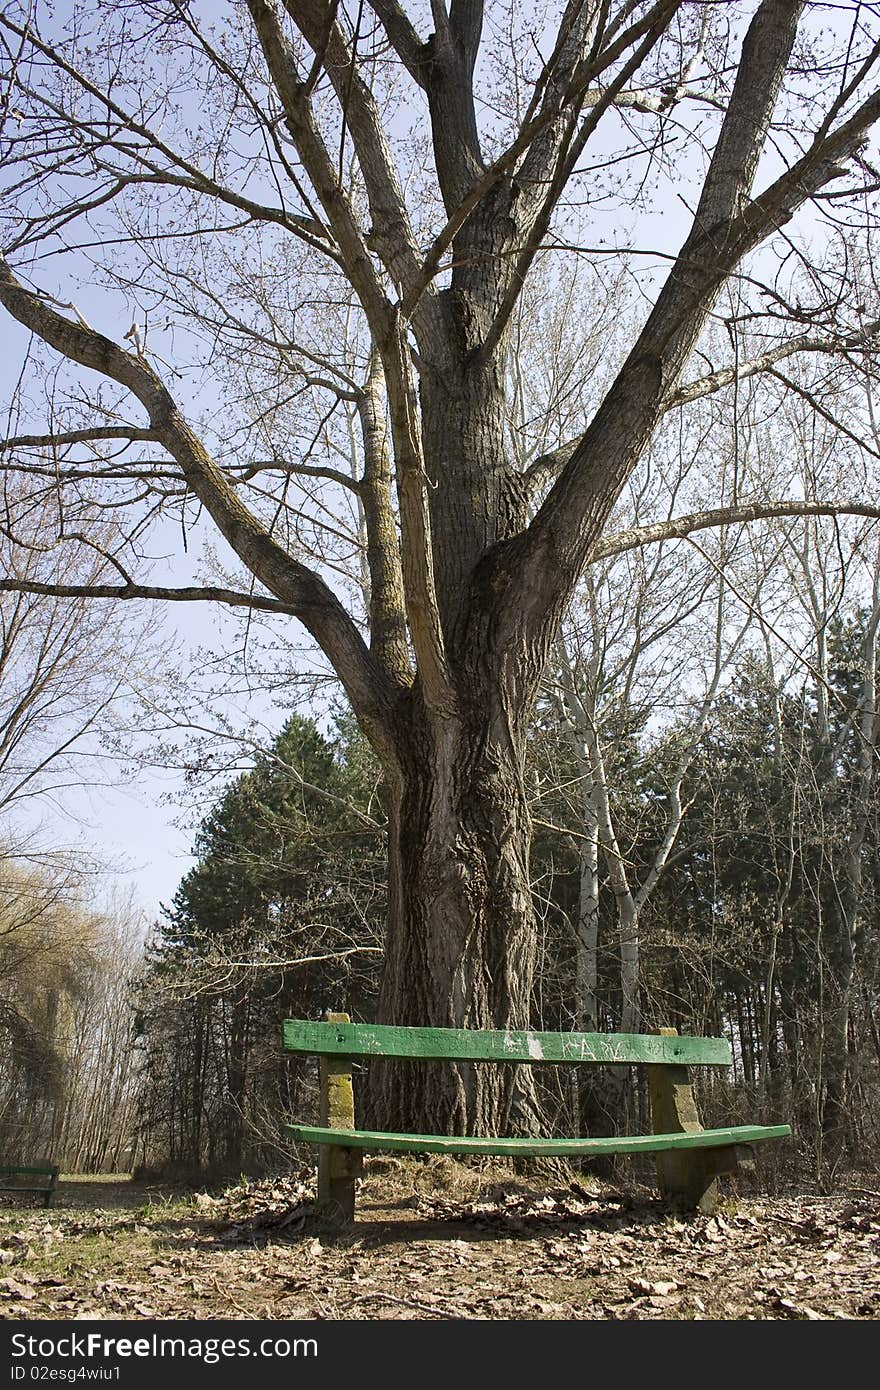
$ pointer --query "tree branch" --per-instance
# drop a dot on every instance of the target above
(466, 27)
(389, 335)
(320, 168)
(403, 37)
(547, 465)
(531, 176)
(679, 527)
(449, 84)
(313, 602)
(541, 566)
(391, 233)
(131, 433)
(192, 177)
(561, 158)
(387, 602)
(724, 376)
(132, 590)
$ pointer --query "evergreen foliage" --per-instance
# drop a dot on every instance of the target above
(282, 914)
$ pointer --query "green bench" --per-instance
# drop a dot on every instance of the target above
(42, 1178)
(689, 1157)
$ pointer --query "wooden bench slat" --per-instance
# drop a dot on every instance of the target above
(8, 1169)
(586, 1148)
(464, 1045)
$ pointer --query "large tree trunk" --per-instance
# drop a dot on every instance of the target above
(461, 946)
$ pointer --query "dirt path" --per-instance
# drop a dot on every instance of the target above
(435, 1241)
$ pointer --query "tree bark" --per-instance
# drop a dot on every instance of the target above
(462, 946)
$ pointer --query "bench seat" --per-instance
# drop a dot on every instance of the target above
(536, 1148)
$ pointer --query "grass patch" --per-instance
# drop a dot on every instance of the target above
(95, 1177)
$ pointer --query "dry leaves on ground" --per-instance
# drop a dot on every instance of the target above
(509, 1251)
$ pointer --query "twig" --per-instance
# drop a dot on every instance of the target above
(403, 1302)
(224, 1293)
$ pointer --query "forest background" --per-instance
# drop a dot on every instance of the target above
(696, 755)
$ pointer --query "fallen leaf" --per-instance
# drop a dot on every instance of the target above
(12, 1289)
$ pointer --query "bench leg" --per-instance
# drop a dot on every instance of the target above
(53, 1183)
(337, 1170)
(684, 1175)
(338, 1167)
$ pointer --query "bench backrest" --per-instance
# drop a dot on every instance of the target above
(30, 1178)
(470, 1045)
(43, 1170)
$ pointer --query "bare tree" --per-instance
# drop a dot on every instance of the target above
(65, 1020)
(46, 945)
(94, 1126)
(267, 170)
(65, 670)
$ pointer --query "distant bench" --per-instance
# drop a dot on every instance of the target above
(689, 1157)
(42, 1178)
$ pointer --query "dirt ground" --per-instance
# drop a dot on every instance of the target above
(435, 1240)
